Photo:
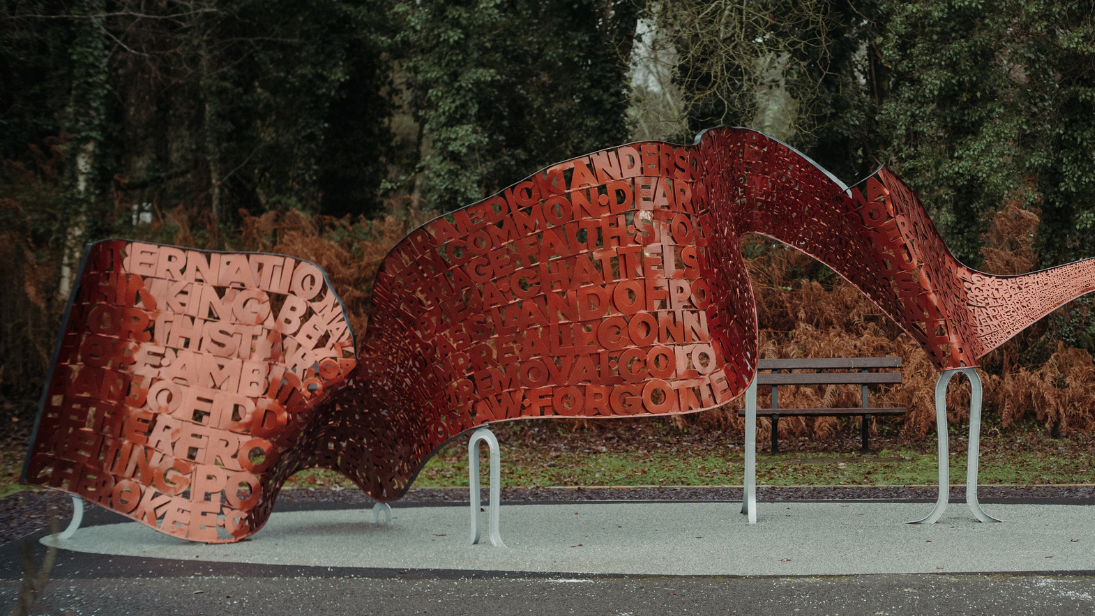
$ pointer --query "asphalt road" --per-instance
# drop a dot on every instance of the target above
(391, 595)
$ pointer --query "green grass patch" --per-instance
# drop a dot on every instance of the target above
(525, 467)
(11, 465)
(1003, 461)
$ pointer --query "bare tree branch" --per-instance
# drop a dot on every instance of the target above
(758, 63)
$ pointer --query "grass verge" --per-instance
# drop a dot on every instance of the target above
(11, 465)
(649, 455)
(1023, 461)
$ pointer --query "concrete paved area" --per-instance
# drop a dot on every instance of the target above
(635, 559)
(683, 539)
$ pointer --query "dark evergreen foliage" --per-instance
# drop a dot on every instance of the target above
(342, 107)
(504, 88)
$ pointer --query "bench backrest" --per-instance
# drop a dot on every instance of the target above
(830, 378)
(830, 363)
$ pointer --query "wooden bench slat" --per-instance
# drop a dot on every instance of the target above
(897, 410)
(846, 363)
(830, 378)
(855, 374)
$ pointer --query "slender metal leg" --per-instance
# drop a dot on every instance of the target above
(77, 518)
(749, 495)
(483, 434)
(865, 423)
(775, 433)
(976, 395)
(944, 455)
(865, 433)
(974, 446)
(377, 508)
(473, 483)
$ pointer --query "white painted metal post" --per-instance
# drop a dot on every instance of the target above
(77, 519)
(382, 507)
(944, 454)
(482, 434)
(974, 451)
(749, 492)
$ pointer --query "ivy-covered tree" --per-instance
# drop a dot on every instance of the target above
(847, 139)
(994, 99)
(85, 119)
(35, 75)
(502, 88)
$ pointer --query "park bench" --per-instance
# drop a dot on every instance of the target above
(863, 378)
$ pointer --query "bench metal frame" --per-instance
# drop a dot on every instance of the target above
(749, 497)
(863, 378)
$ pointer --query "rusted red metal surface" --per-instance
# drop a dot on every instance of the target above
(183, 381)
(189, 385)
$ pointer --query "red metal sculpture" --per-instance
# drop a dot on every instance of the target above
(188, 385)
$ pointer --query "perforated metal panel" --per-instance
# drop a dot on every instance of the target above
(189, 385)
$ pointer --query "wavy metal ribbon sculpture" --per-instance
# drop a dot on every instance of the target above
(189, 385)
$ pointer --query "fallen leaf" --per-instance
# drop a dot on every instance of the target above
(785, 560)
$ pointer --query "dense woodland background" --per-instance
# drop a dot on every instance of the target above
(327, 129)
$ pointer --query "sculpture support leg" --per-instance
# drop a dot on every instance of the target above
(77, 519)
(976, 392)
(944, 453)
(749, 493)
(482, 434)
(974, 451)
(377, 508)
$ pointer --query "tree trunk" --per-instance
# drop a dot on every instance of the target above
(85, 161)
(86, 113)
(212, 147)
(420, 179)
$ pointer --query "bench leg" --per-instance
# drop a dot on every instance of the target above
(974, 451)
(865, 431)
(775, 433)
(749, 493)
(482, 434)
